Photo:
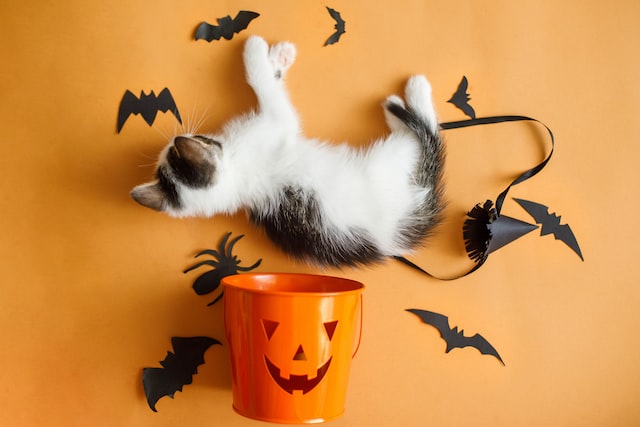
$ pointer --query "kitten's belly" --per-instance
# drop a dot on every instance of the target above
(372, 192)
(301, 226)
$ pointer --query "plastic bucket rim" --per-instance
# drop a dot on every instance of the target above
(355, 288)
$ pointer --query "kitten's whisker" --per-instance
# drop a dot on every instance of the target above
(203, 118)
(186, 122)
(162, 133)
(192, 116)
(146, 165)
(190, 129)
(147, 156)
(175, 126)
(193, 121)
(150, 160)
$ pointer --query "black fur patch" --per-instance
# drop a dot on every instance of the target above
(428, 174)
(297, 228)
(195, 175)
(168, 188)
(429, 171)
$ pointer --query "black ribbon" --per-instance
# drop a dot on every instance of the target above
(501, 197)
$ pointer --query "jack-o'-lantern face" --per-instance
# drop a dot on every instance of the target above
(302, 360)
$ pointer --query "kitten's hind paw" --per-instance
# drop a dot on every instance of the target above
(282, 55)
(418, 90)
(418, 96)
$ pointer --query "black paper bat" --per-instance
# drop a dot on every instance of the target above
(461, 98)
(225, 264)
(147, 106)
(551, 224)
(226, 27)
(177, 369)
(453, 337)
(339, 26)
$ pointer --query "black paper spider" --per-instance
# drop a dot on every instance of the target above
(225, 264)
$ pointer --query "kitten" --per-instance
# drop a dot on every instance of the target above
(333, 205)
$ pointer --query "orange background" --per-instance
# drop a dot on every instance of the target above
(92, 287)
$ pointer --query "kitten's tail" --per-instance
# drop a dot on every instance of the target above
(419, 116)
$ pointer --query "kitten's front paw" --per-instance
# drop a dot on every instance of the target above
(282, 55)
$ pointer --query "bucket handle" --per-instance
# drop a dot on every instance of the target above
(356, 344)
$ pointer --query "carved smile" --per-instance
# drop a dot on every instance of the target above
(296, 382)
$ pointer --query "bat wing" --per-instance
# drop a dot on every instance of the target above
(540, 213)
(208, 32)
(130, 104)
(479, 342)
(177, 369)
(564, 233)
(242, 20)
(438, 321)
(165, 102)
(339, 26)
(226, 27)
(452, 337)
(460, 96)
(464, 85)
(333, 39)
(461, 99)
(157, 384)
(551, 224)
(468, 110)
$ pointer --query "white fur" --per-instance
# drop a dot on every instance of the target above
(262, 151)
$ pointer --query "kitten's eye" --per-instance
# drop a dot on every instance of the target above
(175, 151)
(207, 141)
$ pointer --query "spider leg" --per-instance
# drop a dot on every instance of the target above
(257, 263)
(231, 245)
(223, 243)
(211, 252)
(214, 264)
(216, 300)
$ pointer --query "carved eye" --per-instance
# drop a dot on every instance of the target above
(270, 327)
(330, 328)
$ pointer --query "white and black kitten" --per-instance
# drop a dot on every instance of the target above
(333, 205)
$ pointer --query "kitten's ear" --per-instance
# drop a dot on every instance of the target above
(150, 196)
(191, 150)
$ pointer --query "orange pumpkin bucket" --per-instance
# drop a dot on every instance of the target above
(291, 339)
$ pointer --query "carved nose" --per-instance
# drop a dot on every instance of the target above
(300, 354)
